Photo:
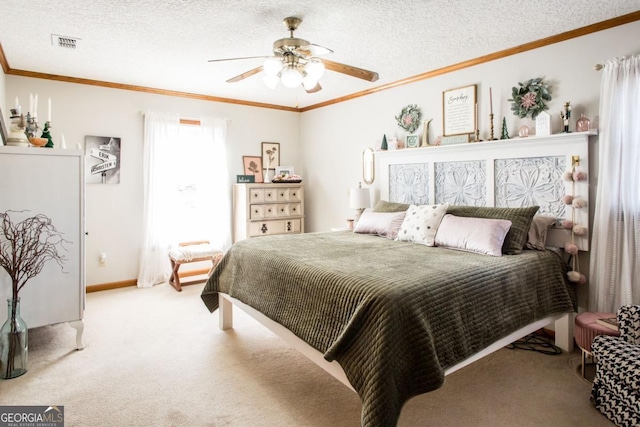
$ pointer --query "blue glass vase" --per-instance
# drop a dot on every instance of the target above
(14, 343)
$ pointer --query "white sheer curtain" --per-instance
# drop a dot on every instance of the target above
(615, 249)
(186, 190)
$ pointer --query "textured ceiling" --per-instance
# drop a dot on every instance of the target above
(166, 44)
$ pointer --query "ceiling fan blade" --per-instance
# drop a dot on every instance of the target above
(350, 70)
(313, 50)
(245, 75)
(235, 59)
(314, 89)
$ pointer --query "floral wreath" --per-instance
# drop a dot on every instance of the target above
(409, 118)
(530, 98)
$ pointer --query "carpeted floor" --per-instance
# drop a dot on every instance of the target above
(155, 357)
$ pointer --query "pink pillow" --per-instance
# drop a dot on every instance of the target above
(384, 224)
(479, 235)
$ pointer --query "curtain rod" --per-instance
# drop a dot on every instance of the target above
(598, 67)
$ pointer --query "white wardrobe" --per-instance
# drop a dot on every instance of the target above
(48, 181)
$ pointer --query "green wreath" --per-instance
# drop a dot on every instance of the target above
(530, 98)
(409, 118)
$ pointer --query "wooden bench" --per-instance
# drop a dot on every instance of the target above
(188, 252)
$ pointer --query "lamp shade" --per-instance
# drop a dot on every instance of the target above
(359, 198)
(291, 77)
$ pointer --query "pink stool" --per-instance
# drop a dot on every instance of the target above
(587, 328)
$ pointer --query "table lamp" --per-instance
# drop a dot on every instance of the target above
(359, 200)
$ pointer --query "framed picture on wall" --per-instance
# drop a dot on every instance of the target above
(102, 159)
(3, 130)
(252, 165)
(459, 110)
(270, 155)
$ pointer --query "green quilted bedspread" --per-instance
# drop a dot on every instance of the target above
(394, 314)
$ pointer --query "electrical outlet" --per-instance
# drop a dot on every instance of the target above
(102, 260)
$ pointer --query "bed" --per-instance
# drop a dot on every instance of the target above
(391, 318)
(394, 329)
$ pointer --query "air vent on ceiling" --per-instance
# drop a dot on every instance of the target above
(64, 41)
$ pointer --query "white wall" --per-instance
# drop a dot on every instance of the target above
(114, 211)
(334, 137)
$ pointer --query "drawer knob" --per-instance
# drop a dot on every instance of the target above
(288, 225)
(263, 229)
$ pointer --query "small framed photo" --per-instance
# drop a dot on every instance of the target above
(284, 170)
(270, 155)
(253, 166)
(412, 141)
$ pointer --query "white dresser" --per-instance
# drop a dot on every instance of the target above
(47, 181)
(267, 209)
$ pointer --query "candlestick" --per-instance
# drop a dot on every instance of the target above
(30, 103)
(490, 102)
(477, 125)
(34, 113)
(63, 143)
(17, 103)
(491, 120)
(49, 111)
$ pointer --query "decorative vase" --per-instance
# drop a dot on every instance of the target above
(14, 343)
(583, 124)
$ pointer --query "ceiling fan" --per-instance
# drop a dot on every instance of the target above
(295, 61)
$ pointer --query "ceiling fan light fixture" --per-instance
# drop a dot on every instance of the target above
(271, 81)
(309, 82)
(291, 77)
(314, 69)
(272, 66)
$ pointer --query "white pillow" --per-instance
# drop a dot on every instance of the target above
(421, 223)
(384, 224)
(480, 235)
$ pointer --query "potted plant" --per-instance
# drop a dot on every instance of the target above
(25, 247)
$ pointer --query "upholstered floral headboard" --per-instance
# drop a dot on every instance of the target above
(507, 173)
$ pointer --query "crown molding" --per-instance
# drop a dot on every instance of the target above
(579, 32)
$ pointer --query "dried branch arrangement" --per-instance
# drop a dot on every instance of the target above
(25, 247)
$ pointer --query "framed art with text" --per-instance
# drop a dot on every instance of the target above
(459, 110)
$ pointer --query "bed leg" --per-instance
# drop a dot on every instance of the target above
(225, 315)
(564, 332)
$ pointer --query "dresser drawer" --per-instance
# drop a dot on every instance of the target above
(276, 226)
(256, 195)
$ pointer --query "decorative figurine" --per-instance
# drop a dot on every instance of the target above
(47, 135)
(566, 115)
(505, 132)
(384, 146)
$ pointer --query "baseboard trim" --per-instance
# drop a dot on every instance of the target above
(134, 282)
